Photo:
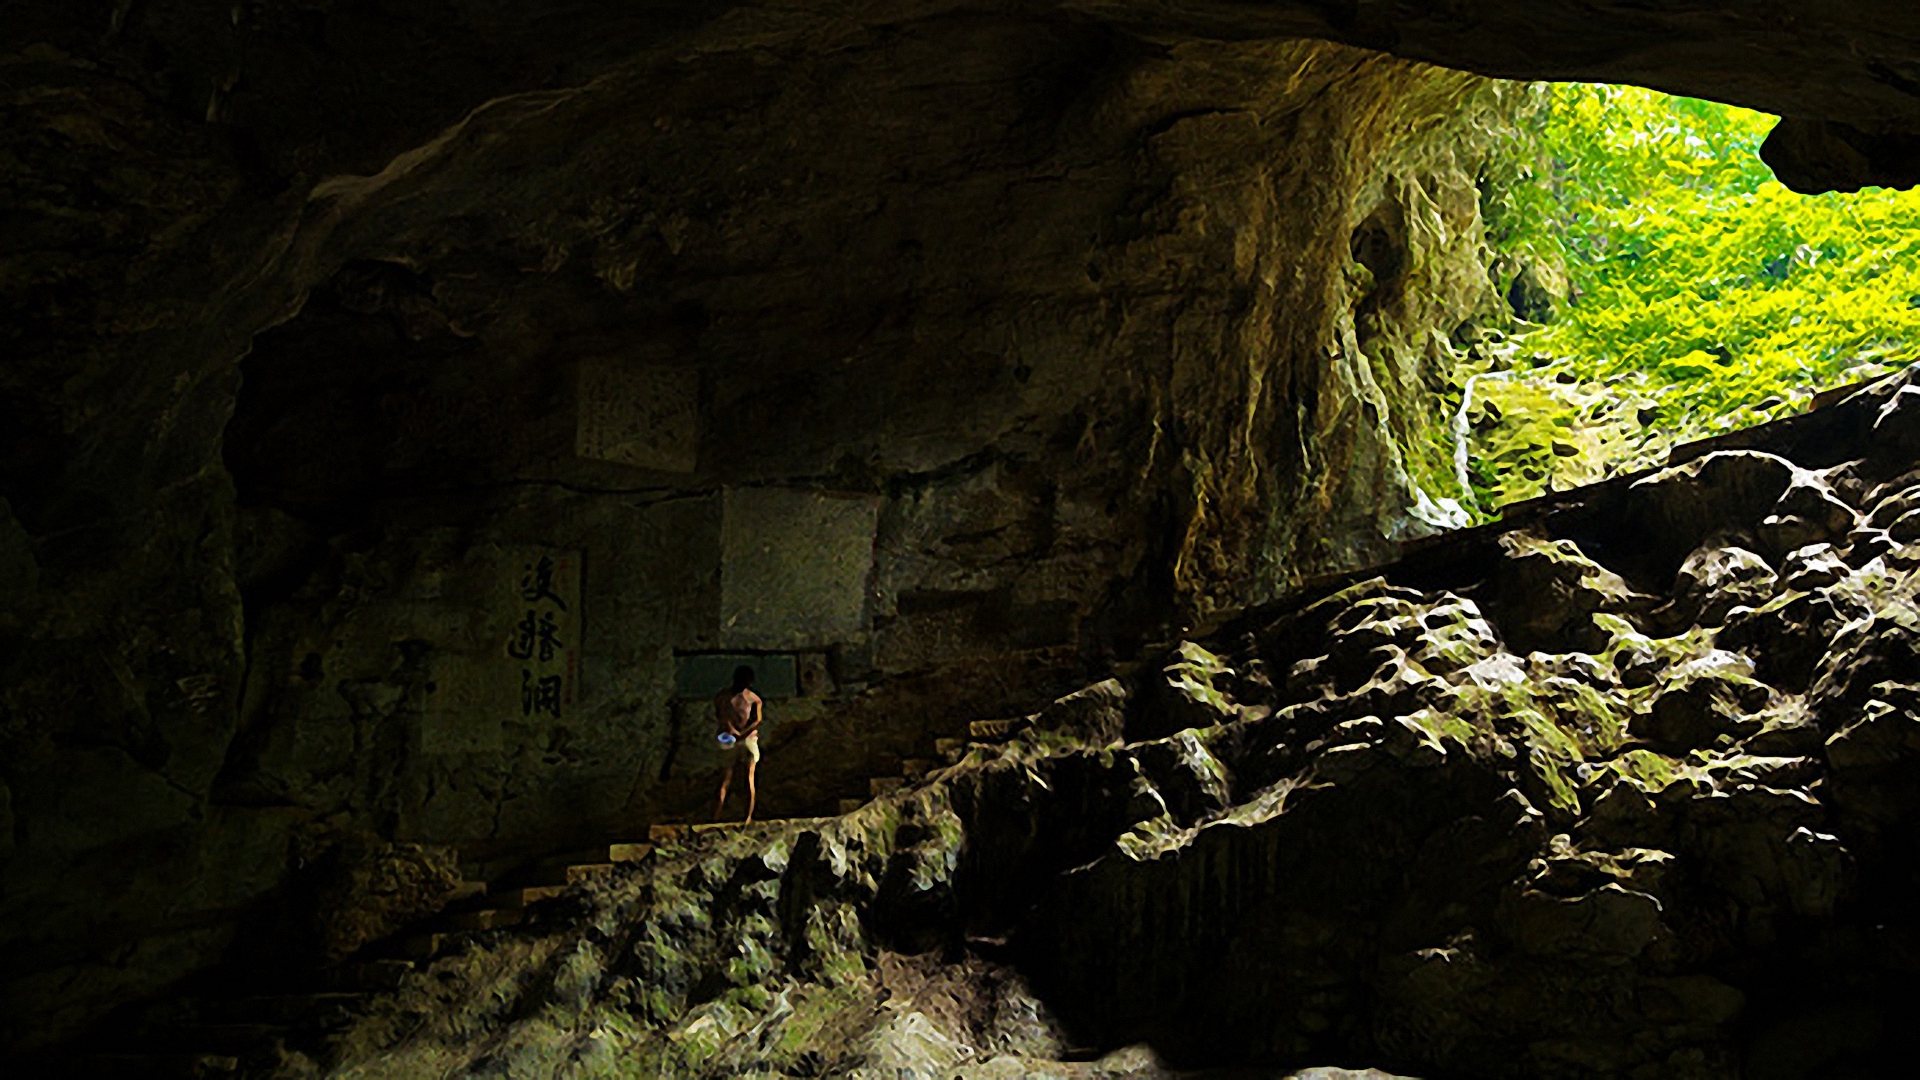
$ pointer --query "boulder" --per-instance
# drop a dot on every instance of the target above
(1544, 593)
(367, 889)
(1719, 577)
(1095, 716)
(1708, 702)
(1672, 512)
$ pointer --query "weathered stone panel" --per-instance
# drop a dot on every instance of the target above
(794, 567)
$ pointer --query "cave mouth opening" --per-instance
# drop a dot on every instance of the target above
(1665, 288)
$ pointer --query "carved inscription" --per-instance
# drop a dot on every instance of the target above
(505, 624)
(544, 641)
(641, 415)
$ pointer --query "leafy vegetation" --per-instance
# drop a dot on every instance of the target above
(1686, 292)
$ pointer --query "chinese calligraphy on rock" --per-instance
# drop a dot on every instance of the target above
(542, 638)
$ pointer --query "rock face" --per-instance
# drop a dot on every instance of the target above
(1361, 827)
(400, 403)
(922, 406)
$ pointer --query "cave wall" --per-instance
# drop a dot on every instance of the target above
(1113, 315)
(948, 362)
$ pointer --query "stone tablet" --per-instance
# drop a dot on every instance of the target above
(794, 567)
(647, 416)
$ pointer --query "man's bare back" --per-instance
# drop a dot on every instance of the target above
(738, 711)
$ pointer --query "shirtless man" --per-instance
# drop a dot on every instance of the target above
(738, 713)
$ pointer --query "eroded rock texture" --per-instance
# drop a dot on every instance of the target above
(1403, 822)
(943, 364)
(1032, 332)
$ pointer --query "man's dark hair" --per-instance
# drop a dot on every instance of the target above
(743, 677)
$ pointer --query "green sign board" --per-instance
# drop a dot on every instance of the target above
(702, 675)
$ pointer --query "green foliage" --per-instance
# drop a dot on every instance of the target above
(1705, 296)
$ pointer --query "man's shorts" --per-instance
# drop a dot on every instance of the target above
(749, 746)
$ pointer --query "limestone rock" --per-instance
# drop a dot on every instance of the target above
(1715, 579)
(1884, 734)
(1787, 635)
(1095, 716)
(368, 890)
(1434, 850)
(1539, 293)
(1195, 692)
(1703, 703)
(1042, 333)
(1676, 509)
(1611, 925)
(1813, 567)
(1547, 592)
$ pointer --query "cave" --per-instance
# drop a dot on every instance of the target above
(416, 413)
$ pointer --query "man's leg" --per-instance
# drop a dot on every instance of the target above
(752, 765)
(724, 781)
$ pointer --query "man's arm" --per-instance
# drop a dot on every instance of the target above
(753, 720)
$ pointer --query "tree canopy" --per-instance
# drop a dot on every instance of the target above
(1688, 292)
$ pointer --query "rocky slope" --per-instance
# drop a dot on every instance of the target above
(1623, 787)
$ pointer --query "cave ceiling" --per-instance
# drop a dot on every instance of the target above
(186, 172)
(318, 86)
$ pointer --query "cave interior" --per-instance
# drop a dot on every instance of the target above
(414, 412)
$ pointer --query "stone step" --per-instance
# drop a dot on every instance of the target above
(153, 1066)
(672, 833)
(995, 730)
(885, 785)
(621, 852)
(372, 976)
(566, 873)
(485, 919)
(526, 895)
(848, 806)
(467, 899)
(950, 749)
(917, 768)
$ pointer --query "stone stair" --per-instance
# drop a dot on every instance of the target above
(246, 1034)
(947, 750)
(505, 903)
(153, 1066)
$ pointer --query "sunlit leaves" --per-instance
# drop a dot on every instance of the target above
(1700, 283)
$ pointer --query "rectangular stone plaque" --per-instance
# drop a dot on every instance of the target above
(794, 566)
(647, 416)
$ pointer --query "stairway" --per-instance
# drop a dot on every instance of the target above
(947, 751)
(247, 1033)
(205, 1036)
